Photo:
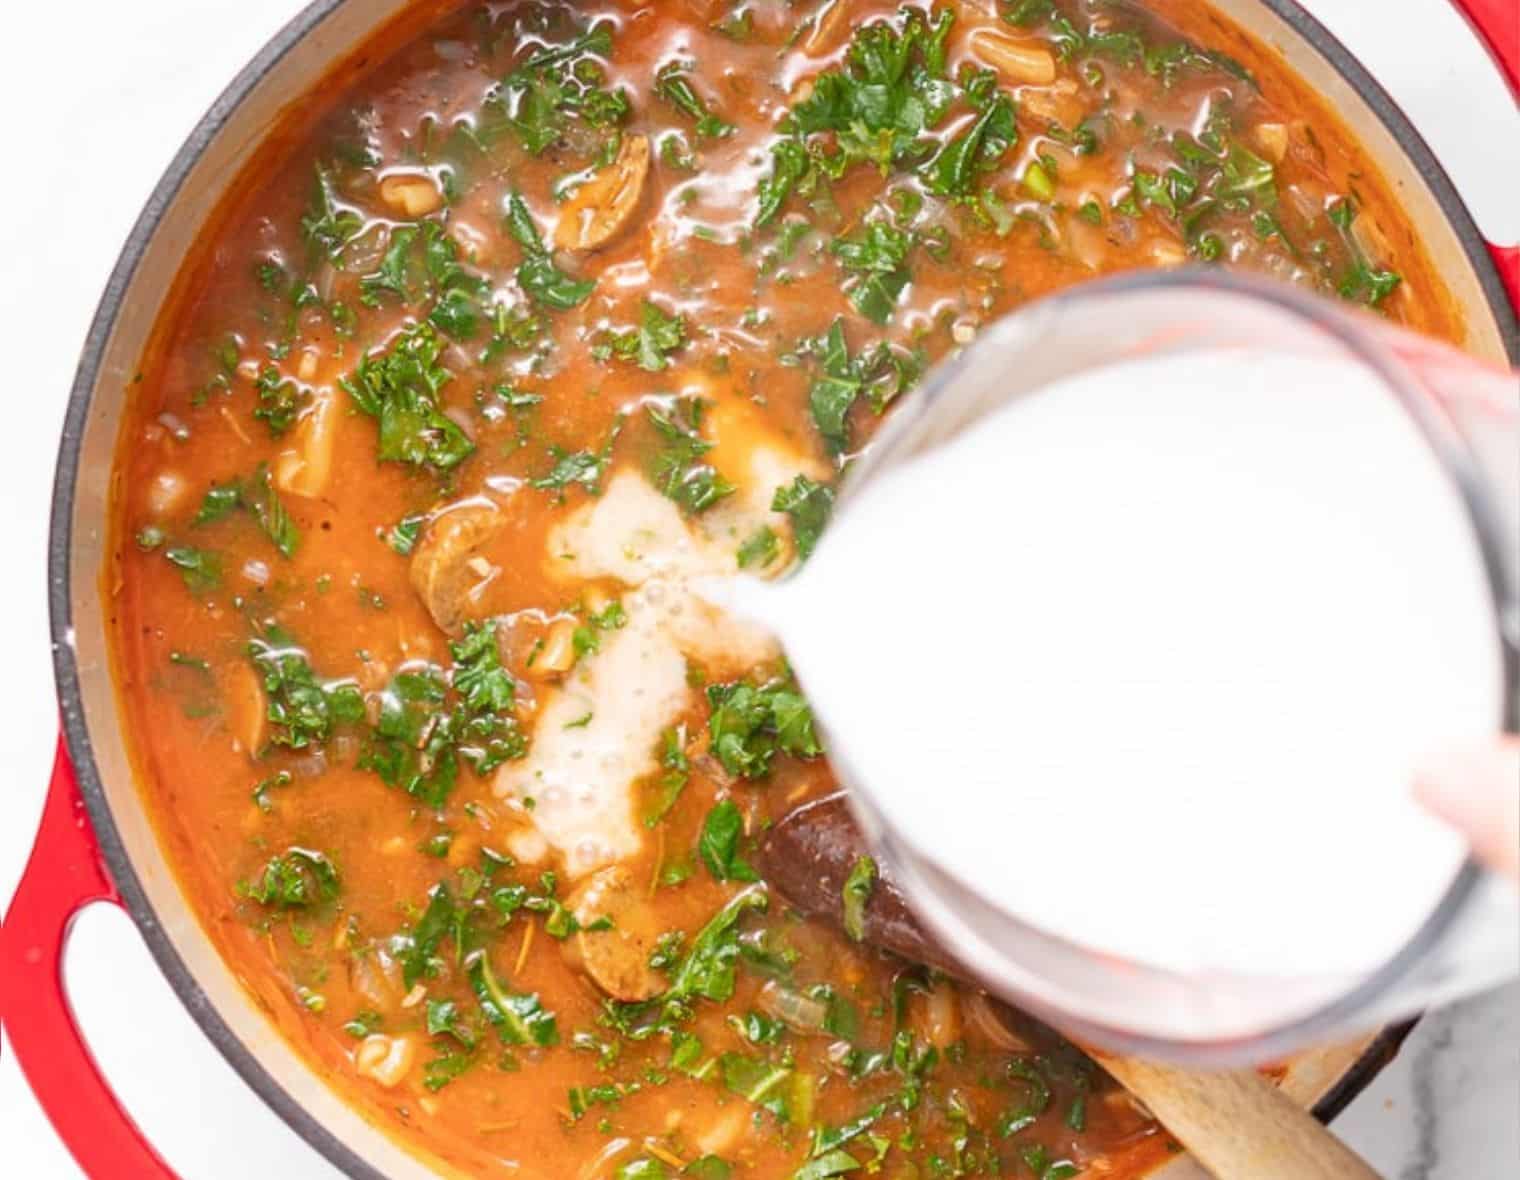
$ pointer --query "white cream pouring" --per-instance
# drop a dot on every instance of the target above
(1149, 659)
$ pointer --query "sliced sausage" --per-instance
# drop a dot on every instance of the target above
(617, 957)
(444, 571)
(599, 210)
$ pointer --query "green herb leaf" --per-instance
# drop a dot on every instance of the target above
(809, 504)
(328, 225)
(750, 723)
(444, 1019)
(301, 709)
(392, 277)
(442, 1070)
(672, 83)
(584, 468)
(676, 466)
(858, 887)
(657, 335)
(221, 500)
(879, 372)
(296, 879)
(417, 949)
(758, 1081)
(555, 85)
(280, 400)
(708, 969)
(544, 282)
(518, 1019)
(719, 844)
(672, 781)
(201, 569)
(403, 535)
(400, 387)
(760, 549)
(259, 497)
(879, 257)
(834, 1163)
(979, 149)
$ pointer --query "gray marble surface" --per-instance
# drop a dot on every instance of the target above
(1448, 1107)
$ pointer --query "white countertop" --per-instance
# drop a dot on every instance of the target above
(100, 94)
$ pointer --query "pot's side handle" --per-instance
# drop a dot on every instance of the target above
(65, 874)
(1497, 23)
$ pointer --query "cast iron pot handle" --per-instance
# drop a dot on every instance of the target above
(65, 874)
(1497, 23)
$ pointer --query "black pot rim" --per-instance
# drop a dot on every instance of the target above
(60, 557)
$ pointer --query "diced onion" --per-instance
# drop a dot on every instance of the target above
(792, 1008)
(981, 1014)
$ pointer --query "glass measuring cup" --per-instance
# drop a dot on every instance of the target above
(1467, 414)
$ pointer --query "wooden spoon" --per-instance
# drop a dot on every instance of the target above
(1238, 1125)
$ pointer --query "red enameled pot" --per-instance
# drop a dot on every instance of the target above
(95, 843)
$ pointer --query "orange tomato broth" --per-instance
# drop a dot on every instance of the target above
(200, 721)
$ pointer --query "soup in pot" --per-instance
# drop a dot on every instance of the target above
(508, 338)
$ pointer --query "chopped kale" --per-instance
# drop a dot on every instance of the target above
(809, 504)
(201, 569)
(301, 709)
(673, 84)
(650, 344)
(518, 1019)
(555, 84)
(1363, 281)
(297, 879)
(672, 780)
(537, 274)
(328, 225)
(445, 1019)
(708, 969)
(875, 110)
(583, 468)
(981, 146)
(719, 844)
(280, 400)
(879, 372)
(676, 466)
(858, 886)
(760, 549)
(443, 1069)
(417, 948)
(402, 536)
(759, 1081)
(428, 720)
(258, 496)
(220, 501)
(750, 723)
(879, 259)
(392, 277)
(400, 387)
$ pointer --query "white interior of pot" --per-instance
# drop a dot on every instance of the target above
(332, 38)
(1410, 189)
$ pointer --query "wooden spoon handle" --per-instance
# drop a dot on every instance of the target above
(1238, 1125)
